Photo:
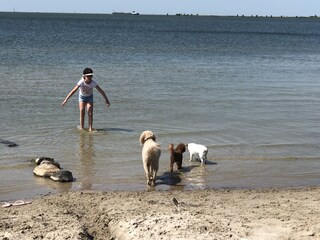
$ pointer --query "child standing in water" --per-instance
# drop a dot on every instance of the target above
(86, 85)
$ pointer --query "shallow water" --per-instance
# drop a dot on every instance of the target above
(246, 88)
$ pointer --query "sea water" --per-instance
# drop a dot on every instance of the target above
(247, 88)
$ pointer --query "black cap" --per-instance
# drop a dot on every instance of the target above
(87, 71)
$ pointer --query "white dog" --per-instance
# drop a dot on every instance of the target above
(150, 156)
(197, 150)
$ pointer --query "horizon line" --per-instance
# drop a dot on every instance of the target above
(167, 14)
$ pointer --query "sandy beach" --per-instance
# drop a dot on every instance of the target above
(195, 214)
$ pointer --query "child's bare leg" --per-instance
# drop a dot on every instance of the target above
(90, 115)
(82, 108)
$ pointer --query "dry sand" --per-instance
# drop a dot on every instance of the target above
(197, 214)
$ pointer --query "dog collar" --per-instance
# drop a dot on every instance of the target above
(146, 139)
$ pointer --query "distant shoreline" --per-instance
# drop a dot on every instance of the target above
(169, 15)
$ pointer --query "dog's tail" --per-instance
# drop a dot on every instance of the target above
(171, 147)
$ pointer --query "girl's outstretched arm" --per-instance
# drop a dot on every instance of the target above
(103, 95)
(70, 94)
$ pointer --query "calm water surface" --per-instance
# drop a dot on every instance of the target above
(248, 88)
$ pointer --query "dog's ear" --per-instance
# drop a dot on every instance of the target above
(141, 140)
(170, 147)
(183, 148)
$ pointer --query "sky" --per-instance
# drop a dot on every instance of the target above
(201, 7)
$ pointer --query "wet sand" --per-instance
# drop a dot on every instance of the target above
(195, 214)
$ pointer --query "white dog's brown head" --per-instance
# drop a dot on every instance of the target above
(146, 135)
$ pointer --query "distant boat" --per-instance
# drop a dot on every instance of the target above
(125, 13)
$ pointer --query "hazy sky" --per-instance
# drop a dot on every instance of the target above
(203, 7)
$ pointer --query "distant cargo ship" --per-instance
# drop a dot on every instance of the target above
(125, 13)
